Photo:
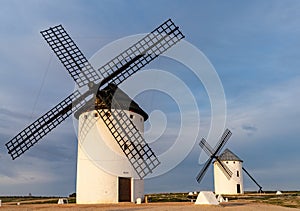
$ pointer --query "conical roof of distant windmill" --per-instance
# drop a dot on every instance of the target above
(227, 155)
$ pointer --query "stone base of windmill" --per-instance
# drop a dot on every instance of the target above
(206, 198)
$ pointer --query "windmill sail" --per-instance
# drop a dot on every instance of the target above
(204, 169)
(43, 125)
(224, 168)
(141, 53)
(210, 151)
(213, 152)
(70, 56)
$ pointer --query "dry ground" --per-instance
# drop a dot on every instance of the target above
(174, 206)
(163, 202)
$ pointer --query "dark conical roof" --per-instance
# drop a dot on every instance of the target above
(109, 92)
(227, 155)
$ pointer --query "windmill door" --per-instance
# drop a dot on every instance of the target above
(238, 188)
(124, 189)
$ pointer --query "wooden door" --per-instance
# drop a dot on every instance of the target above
(124, 189)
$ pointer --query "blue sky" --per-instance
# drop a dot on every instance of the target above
(254, 47)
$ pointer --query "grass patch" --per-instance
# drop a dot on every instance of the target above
(168, 197)
(287, 199)
(6, 199)
(33, 199)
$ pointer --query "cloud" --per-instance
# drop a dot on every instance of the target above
(249, 128)
(12, 114)
(271, 109)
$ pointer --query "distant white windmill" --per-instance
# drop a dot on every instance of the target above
(233, 184)
(228, 177)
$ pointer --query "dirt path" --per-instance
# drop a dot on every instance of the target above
(175, 206)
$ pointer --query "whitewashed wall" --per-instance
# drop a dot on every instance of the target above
(225, 186)
(99, 159)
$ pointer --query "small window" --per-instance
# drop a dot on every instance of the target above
(95, 114)
(237, 173)
(226, 162)
(131, 116)
(141, 119)
(233, 162)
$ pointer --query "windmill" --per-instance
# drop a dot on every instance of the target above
(96, 91)
(225, 163)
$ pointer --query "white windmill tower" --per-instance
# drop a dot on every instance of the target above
(100, 158)
(110, 124)
(233, 184)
